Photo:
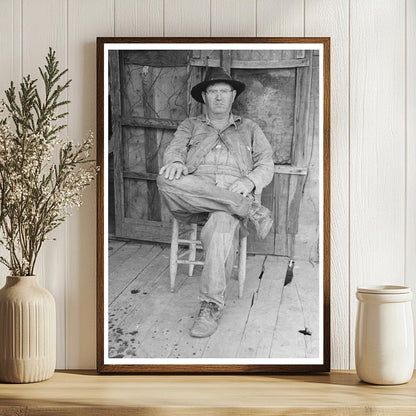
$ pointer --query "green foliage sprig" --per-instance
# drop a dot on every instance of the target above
(41, 175)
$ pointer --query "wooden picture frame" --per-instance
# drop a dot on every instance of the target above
(143, 93)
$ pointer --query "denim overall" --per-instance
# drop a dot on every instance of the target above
(203, 195)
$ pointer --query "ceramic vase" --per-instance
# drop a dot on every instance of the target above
(384, 340)
(27, 331)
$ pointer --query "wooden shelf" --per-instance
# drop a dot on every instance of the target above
(86, 393)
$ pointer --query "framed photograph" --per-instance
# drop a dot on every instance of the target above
(213, 195)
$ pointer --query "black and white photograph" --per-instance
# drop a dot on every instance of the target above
(213, 219)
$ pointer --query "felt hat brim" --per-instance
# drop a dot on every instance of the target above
(214, 76)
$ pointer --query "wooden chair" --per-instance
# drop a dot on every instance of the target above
(193, 244)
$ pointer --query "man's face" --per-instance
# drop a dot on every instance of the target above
(219, 98)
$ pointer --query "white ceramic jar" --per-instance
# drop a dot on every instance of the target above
(384, 337)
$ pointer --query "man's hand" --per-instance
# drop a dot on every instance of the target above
(242, 186)
(174, 170)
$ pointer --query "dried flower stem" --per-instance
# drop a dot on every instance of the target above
(37, 194)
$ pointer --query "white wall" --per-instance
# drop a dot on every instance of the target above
(373, 132)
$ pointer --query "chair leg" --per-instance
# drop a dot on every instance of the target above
(173, 268)
(192, 248)
(242, 259)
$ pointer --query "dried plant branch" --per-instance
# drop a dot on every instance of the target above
(36, 193)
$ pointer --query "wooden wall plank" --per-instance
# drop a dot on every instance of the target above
(186, 18)
(281, 195)
(10, 66)
(116, 141)
(138, 17)
(331, 18)
(377, 152)
(306, 240)
(151, 146)
(10, 44)
(302, 111)
(233, 18)
(44, 24)
(280, 18)
(411, 150)
(86, 21)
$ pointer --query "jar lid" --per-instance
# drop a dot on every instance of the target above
(384, 289)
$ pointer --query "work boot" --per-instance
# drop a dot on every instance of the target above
(261, 218)
(206, 323)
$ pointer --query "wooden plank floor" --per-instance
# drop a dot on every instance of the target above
(146, 320)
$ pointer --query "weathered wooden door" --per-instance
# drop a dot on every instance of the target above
(150, 96)
(149, 99)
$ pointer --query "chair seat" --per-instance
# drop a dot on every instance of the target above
(193, 244)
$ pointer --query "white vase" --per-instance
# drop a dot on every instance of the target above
(384, 338)
(27, 331)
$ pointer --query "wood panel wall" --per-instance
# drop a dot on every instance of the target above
(373, 132)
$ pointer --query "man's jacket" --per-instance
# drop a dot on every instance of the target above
(195, 137)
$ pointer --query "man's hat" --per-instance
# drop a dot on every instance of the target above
(214, 75)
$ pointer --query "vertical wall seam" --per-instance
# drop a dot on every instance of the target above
(13, 63)
(304, 18)
(21, 40)
(210, 19)
(66, 221)
(405, 146)
(163, 19)
(256, 17)
(349, 186)
(114, 18)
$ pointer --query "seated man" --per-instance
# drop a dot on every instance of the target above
(211, 169)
